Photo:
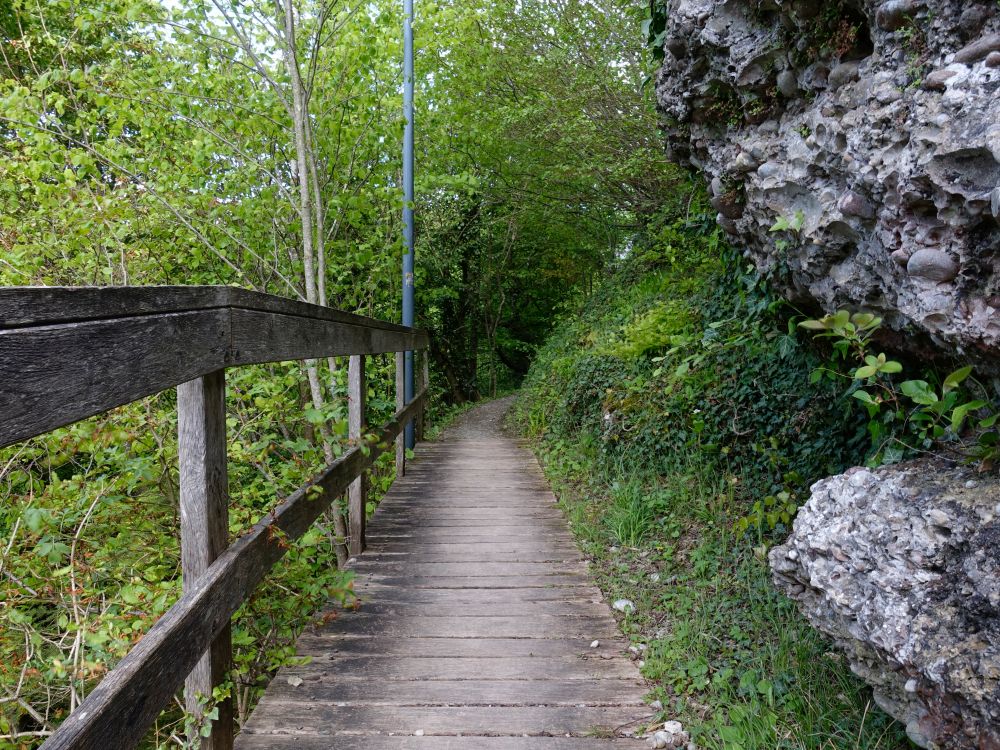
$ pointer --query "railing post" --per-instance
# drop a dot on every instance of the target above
(400, 403)
(357, 392)
(422, 381)
(204, 499)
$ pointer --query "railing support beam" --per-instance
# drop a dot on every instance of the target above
(204, 501)
(357, 393)
(422, 381)
(400, 403)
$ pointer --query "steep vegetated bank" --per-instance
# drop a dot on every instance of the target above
(676, 416)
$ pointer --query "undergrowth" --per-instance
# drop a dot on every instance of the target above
(676, 405)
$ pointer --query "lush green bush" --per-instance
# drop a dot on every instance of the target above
(683, 351)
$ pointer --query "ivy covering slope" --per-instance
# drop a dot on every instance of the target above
(675, 415)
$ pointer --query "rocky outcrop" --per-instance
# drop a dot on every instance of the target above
(873, 128)
(901, 567)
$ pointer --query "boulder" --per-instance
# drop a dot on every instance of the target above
(900, 566)
(880, 125)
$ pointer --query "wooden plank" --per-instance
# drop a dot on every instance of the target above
(313, 644)
(347, 688)
(331, 720)
(475, 627)
(357, 501)
(471, 570)
(128, 700)
(204, 511)
(499, 606)
(473, 556)
(435, 742)
(369, 593)
(483, 582)
(526, 668)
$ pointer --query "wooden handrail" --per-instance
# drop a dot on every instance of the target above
(67, 354)
(70, 353)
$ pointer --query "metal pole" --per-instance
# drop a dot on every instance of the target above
(408, 317)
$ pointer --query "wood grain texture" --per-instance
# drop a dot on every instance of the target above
(357, 495)
(68, 354)
(204, 511)
(122, 707)
(483, 644)
(24, 306)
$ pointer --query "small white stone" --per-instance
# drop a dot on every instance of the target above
(674, 727)
(656, 706)
(910, 686)
(294, 681)
(595, 644)
(654, 577)
(624, 605)
(971, 484)
(661, 739)
(419, 733)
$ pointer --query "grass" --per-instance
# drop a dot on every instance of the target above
(726, 654)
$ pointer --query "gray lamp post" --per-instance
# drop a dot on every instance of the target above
(408, 317)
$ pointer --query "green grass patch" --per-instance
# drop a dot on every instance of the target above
(726, 654)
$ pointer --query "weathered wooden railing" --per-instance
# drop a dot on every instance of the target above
(68, 354)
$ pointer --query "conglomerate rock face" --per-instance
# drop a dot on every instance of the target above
(873, 128)
(901, 567)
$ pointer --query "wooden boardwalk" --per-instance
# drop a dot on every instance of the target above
(475, 625)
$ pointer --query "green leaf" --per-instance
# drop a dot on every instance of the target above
(961, 412)
(862, 373)
(864, 396)
(813, 325)
(955, 379)
(918, 391)
(891, 367)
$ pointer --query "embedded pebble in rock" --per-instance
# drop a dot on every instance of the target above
(979, 49)
(920, 145)
(623, 605)
(896, 14)
(595, 644)
(853, 204)
(900, 566)
(973, 19)
(746, 163)
(843, 74)
(788, 84)
(932, 264)
(938, 80)
(900, 257)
